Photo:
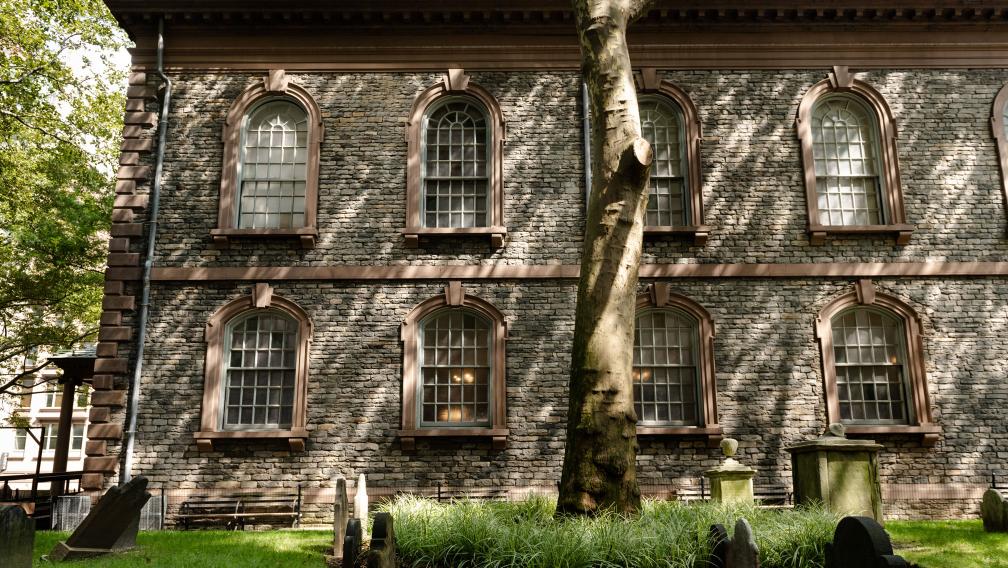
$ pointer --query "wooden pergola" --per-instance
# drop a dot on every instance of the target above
(78, 369)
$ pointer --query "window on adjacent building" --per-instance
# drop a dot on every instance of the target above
(662, 126)
(53, 396)
(456, 169)
(873, 365)
(849, 155)
(455, 366)
(20, 439)
(666, 368)
(273, 171)
(27, 385)
(259, 373)
(51, 434)
(83, 396)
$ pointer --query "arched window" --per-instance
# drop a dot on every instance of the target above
(670, 123)
(273, 167)
(674, 385)
(256, 371)
(873, 365)
(454, 164)
(269, 177)
(848, 140)
(999, 122)
(453, 369)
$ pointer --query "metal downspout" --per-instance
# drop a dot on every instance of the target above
(133, 404)
(586, 137)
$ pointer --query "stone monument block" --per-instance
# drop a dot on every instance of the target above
(731, 482)
(994, 511)
(17, 537)
(861, 541)
(111, 526)
(838, 472)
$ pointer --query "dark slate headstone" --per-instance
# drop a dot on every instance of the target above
(352, 543)
(17, 537)
(994, 511)
(111, 526)
(341, 513)
(743, 552)
(719, 546)
(382, 553)
(861, 541)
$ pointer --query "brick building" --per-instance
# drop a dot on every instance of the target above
(370, 221)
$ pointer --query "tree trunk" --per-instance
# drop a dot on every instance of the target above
(599, 470)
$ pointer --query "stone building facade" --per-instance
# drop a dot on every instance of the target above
(754, 263)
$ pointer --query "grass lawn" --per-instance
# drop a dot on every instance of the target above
(220, 549)
(949, 544)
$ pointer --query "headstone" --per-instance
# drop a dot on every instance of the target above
(382, 553)
(994, 511)
(352, 543)
(719, 546)
(731, 482)
(840, 473)
(341, 514)
(861, 541)
(111, 526)
(17, 537)
(360, 502)
(743, 552)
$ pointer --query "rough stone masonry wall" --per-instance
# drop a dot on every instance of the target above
(768, 370)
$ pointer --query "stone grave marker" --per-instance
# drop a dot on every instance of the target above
(382, 553)
(994, 511)
(352, 543)
(17, 537)
(861, 542)
(743, 552)
(341, 514)
(719, 546)
(111, 526)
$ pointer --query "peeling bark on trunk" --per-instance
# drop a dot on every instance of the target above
(599, 470)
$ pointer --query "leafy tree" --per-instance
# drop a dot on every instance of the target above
(599, 469)
(61, 101)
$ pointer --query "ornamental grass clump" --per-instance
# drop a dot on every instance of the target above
(667, 534)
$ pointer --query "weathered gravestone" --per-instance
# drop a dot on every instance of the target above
(860, 542)
(382, 553)
(739, 551)
(111, 526)
(352, 543)
(994, 511)
(731, 482)
(341, 513)
(17, 537)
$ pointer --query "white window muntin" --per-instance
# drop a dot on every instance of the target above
(489, 367)
(639, 366)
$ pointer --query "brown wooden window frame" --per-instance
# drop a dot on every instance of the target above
(659, 296)
(455, 83)
(454, 297)
(648, 84)
(918, 400)
(895, 224)
(276, 85)
(1001, 137)
(262, 300)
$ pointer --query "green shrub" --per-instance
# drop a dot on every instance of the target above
(667, 534)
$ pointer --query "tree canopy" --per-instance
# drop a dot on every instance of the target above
(61, 101)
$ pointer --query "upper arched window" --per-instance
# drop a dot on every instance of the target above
(873, 365)
(269, 178)
(848, 141)
(256, 371)
(670, 124)
(453, 369)
(454, 165)
(673, 366)
(999, 122)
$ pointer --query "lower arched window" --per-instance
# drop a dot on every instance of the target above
(259, 377)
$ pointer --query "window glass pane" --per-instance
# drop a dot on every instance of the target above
(26, 390)
(20, 439)
(455, 168)
(845, 152)
(662, 126)
(259, 389)
(273, 167)
(454, 351)
(870, 374)
(665, 371)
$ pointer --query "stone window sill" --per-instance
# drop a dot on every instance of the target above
(929, 433)
(295, 438)
(498, 436)
(223, 237)
(697, 233)
(713, 433)
(413, 234)
(901, 232)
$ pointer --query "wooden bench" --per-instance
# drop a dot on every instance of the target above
(773, 496)
(238, 509)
